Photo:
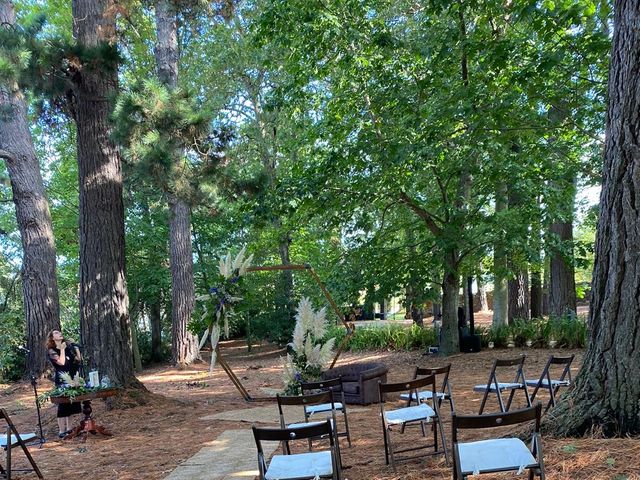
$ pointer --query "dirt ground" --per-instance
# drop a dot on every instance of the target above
(155, 432)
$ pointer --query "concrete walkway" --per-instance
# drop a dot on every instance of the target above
(233, 456)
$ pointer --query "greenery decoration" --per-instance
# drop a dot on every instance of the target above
(310, 353)
(72, 388)
(219, 302)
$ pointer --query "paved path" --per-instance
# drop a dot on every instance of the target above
(232, 456)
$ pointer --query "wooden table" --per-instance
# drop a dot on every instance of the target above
(88, 423)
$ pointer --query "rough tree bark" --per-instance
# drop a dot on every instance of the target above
(155, 319)
(519, 296)
(184, 345)
(562, 283)
(536, 294)
(606, 395)
(39, 284)
(104, 300)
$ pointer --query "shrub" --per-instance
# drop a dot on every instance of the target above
(569, 332)
(391, 337)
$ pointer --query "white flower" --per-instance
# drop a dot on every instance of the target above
(319, 324)
(246, 264)
(298, 338)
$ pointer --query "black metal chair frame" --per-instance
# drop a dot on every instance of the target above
(11, 430)
(412, 387)
(304, 401)
(493, 383)
(335, 386)
(492, 420)
(564, 379)
(445, 390)
(286, 435)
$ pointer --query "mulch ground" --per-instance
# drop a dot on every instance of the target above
(155, 431)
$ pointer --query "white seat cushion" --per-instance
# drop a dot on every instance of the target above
(502, 453)
(308, 424)
(409, 414)
(14, 441)
(323, 407)
(424, 395)
(501, 385)
(302, 465)
(545, 383)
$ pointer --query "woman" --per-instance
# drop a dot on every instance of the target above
(65, 359)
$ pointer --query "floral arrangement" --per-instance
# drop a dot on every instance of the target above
(309, 354)
(220, 300)
(73, 387)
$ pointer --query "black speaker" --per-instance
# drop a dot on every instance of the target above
(470, 344)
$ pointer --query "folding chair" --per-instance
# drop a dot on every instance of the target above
(493, 385)
(336, 388)
(307, 401)
(11, 440)
(443, 394)
(545, 381)
(311, 465)
(421, 413)
(500, 454)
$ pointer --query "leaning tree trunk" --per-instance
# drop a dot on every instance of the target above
(184, 345)
(39, 284)
(606, 395)
(104, 300)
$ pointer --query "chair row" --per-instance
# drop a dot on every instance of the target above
(423, 395)
(469, 458)
(515, 366)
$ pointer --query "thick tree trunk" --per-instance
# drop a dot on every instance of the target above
(519, 296)
(536, 294)
(155, 319)
(137, 361)
(104, 301)
(449, 341)
(500, 286)
(39, 284)
(562, 285)
(562, 293)
(184, 345)
(606, 395)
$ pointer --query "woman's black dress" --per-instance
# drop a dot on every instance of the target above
(70, 367)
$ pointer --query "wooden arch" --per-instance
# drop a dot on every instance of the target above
(349, 326)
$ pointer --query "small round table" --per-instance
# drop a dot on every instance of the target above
(88, 423)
